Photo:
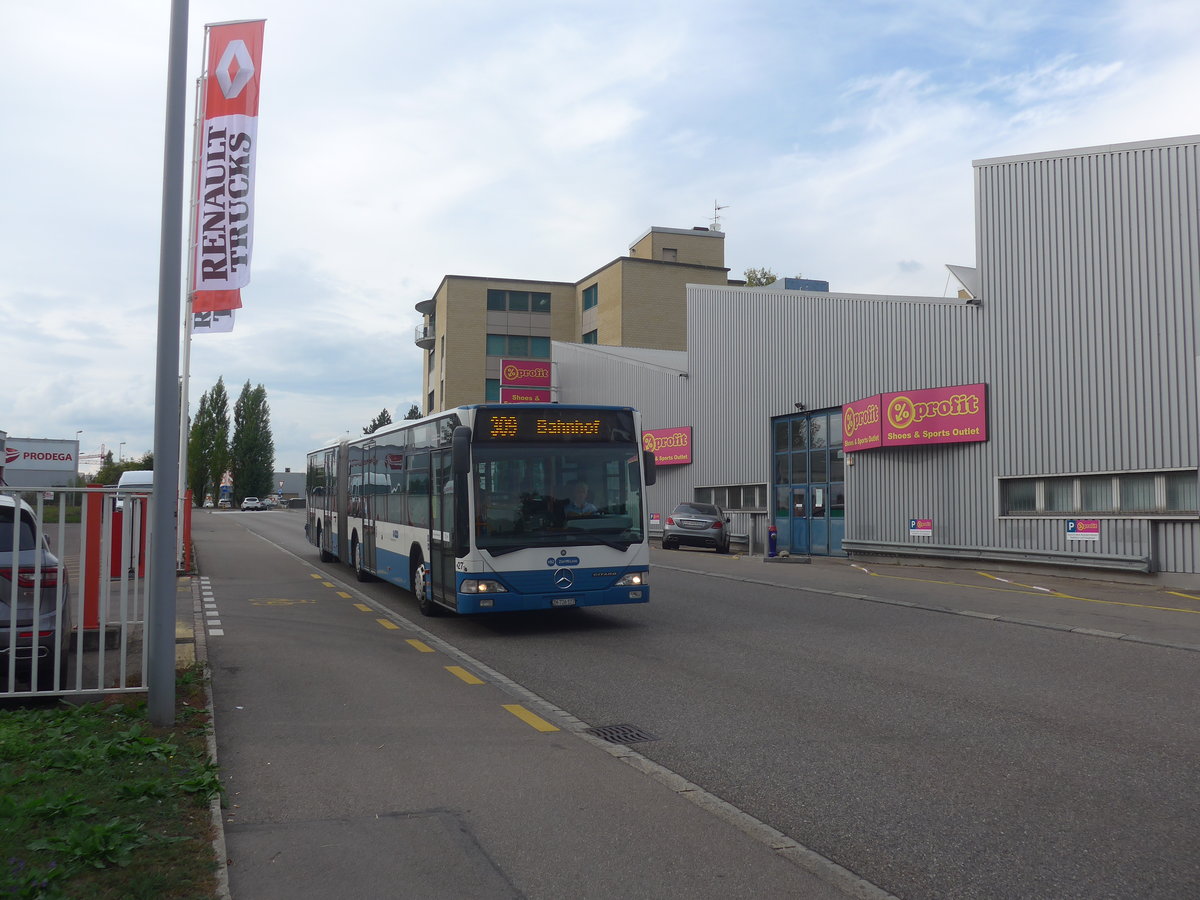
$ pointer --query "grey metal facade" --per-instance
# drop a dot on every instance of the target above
(1083, 325)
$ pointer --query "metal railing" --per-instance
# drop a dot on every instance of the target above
(73, 622)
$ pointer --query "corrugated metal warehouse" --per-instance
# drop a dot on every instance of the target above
(1046, 415)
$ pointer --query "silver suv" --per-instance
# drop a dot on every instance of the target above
(697, 525)
(38, 584)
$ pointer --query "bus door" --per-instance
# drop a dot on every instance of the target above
(370, 473)
(441, 532)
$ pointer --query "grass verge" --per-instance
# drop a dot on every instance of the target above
(96, 802)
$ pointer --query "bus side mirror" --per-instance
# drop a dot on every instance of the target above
(460, 450)
(648, 465)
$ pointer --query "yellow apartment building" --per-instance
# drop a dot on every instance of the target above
(471, 323)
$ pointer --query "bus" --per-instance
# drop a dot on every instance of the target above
(491, 508)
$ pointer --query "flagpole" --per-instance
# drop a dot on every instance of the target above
(186, 367)
(160, 626)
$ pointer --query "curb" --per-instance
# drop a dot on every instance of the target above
(200, 639)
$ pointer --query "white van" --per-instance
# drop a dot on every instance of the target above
(139, 480)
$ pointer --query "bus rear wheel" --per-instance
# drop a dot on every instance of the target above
(360, 573)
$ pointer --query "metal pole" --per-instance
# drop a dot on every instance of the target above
(160, 627)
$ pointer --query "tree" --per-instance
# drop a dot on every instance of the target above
(208, 442)
(199, 438)
(759, 277)
(110, 471)
(384, 418)
(252, 450)
(414, 412)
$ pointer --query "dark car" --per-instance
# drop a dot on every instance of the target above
(697, 525)
(36, 573)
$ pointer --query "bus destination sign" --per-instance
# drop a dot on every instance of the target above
(551, 425)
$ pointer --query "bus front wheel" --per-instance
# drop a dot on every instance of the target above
(423, 591)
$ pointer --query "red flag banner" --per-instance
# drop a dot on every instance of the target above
(227, 146)
(212, 301)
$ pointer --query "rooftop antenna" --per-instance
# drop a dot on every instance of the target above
(716, 216)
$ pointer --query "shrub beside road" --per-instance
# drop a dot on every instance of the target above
(96, 802)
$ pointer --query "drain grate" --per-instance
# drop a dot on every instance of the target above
(622, 734)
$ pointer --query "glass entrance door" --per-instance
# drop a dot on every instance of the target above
(809, 489)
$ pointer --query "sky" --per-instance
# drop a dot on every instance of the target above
(401, 141)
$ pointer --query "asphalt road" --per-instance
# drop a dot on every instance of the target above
(934, 755)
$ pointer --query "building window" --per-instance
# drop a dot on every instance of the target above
(734, 497)
(518, 301)
(518, 345)
(491, 390)
(1143, 494)
(592, 337)
(590, 296)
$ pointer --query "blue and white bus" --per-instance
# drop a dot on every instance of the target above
(491, 508)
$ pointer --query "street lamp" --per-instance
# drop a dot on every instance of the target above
(121, 452)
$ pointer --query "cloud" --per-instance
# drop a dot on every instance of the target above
(401, 141)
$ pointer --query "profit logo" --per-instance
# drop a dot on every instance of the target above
(903, 412)
(854, 419)
(10, 455)
(512, 373)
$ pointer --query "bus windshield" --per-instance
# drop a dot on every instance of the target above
(556, 495)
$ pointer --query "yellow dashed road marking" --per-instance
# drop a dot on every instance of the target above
(344, 594)
(421, 645)
(1182, 594)
(327, 583)
(315, 575)
(362, 606)
(462, 673)
(388, 623)
(529, 718)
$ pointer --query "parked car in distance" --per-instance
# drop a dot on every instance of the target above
(696, 525)
(252, 503)
(208, 503)
(269, 502)
(224, 503)
(37, 575)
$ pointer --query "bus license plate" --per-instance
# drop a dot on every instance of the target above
(562, 601)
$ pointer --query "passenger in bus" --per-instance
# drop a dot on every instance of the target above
(579, 505)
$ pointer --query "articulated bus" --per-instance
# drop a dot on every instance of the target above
(491, 508)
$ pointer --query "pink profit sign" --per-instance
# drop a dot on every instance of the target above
(670, 446)
(945, 415)
(524, 373)
(861, 429)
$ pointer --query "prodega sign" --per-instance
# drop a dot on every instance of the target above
(33, 454)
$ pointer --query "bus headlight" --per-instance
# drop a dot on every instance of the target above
(482, 586)
(633, 579)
